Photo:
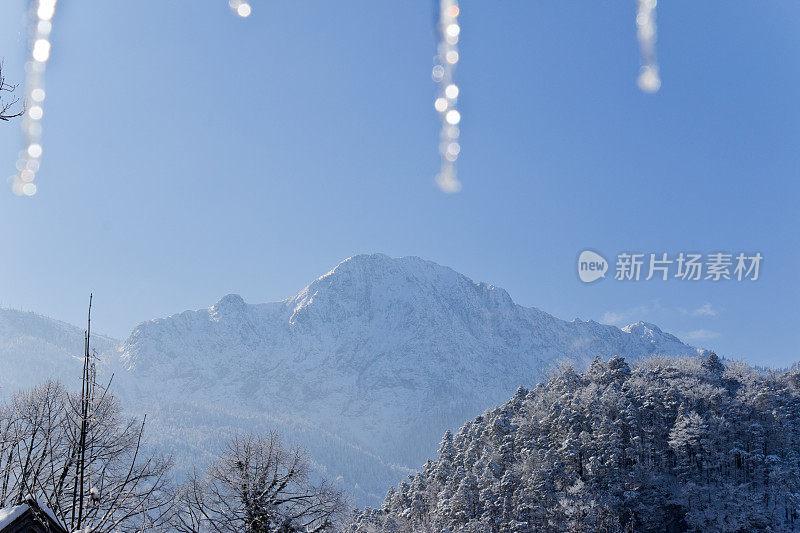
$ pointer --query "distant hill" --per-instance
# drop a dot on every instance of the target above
(34, 348)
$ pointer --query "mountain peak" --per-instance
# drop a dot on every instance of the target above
(642, 326)
(652, 333)
(230, 300)
(229, 305)
(377, 285)
(382, 264)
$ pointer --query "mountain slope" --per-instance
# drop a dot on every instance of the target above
(380, 355)
(34, 347)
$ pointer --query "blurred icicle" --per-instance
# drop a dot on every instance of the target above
(241, 8)
(447, 94)
(649, 80)
(41, 16)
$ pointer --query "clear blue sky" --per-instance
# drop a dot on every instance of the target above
(189, 153)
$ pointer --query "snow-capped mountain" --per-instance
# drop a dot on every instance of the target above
(383, 354)
(366, 367)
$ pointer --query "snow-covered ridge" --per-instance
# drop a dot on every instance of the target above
(385, 353)
(34, 347)
(366, 366)
(15, 322)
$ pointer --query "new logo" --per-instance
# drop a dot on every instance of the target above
(591, 266)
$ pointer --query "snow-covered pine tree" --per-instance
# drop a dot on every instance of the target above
(667, 445)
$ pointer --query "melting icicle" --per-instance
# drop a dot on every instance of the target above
(649, 80)
(241, 8)
(41, 16)
(447, 97)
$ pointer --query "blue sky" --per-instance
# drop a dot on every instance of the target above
(189, 153)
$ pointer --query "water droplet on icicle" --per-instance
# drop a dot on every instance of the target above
(447, 95)
(649, 80)
(40, 17)
(241, 8)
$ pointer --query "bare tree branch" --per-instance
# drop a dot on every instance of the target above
(7, 105)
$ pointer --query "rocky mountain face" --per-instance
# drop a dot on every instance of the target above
(366, 367)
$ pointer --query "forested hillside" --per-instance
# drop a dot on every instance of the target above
(668, 445)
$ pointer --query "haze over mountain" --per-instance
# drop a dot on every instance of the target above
(366, 367)
(34, 347)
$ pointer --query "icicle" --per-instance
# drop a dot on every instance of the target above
(649, 80)
(41, 16)
(447, 96)
(241, 8)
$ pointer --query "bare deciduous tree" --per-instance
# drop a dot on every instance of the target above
(7, 105)
(258, 486)
(124, 489)
(80, 455)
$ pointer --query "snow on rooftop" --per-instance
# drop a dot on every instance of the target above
(9, 514)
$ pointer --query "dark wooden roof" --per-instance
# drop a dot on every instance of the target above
(34, 519)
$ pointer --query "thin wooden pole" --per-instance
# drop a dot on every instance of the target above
(84, 413)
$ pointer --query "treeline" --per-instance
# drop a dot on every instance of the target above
(81, 457)
(670, 445)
